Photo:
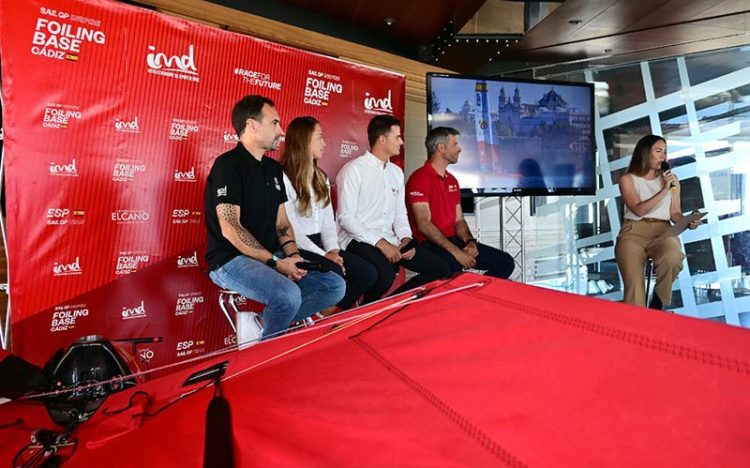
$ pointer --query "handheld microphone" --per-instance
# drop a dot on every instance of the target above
(665, 168)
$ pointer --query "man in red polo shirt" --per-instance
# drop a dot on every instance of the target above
(433, 200)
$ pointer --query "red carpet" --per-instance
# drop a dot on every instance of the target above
(503, 374)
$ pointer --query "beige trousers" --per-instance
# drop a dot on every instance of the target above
(635, 244)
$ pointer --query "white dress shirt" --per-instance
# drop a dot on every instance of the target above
(319, 221)
(371, 202)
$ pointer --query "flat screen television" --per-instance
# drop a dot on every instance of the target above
(518, 137)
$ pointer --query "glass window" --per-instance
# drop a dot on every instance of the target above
(704, 67)
(674, 123)
(728, 189)
(621, 140)
(691, 197)
(624, 88)
(706, 292)
(665, 76)
(700, 257)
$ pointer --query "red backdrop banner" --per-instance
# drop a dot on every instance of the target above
(113, 116)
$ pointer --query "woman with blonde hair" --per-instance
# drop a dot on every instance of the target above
(310, 211)
(651, 196)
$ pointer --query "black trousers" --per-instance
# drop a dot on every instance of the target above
(360, 274)
(497, 263)
(429, 267)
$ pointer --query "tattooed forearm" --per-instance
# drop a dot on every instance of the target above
(283, 232)
(228, 213)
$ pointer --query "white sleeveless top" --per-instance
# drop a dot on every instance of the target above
(646, 189)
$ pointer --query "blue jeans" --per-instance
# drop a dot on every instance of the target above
(286, 301)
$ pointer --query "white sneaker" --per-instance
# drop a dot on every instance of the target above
(249, 329)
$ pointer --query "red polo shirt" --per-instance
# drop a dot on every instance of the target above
(442, 193)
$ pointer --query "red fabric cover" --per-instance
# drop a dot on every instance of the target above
(503, 374)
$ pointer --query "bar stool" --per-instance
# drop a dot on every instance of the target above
(229, 303)
(252, 329)
(649, 274)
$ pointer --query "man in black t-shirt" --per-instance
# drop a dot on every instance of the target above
(251, 246)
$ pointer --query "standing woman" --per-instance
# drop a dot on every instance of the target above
(651, 198)
(310, 210)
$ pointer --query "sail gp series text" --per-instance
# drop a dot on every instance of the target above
(319, 86)
(65, 317)
(61, 40)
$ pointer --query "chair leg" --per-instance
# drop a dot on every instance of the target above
(223, 307)
(649, 274)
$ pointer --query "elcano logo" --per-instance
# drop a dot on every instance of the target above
(60, 115)
(136, 312)
(185, 176)
(65, 317)
(60, 38)
(177, 66)
(63, 170)
(67, 269)
(127, 126)
(188, 262)
(381, 105)
(319, 86)
(125, 170)
(180, 129)
(256, 78)
(187, 302)
(130, 262)
(130, 216)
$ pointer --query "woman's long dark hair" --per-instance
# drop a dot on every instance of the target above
(300, 167)
(640, 162)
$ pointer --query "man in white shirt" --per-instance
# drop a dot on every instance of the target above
(372, 218)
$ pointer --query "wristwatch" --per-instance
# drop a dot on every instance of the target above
(272, 261)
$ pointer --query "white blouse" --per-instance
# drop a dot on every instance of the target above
(319, 221)
(646, 189)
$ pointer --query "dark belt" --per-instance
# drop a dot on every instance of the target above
(654, 220)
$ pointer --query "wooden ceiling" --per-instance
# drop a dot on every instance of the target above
(606, 32)
(577, 34)
(416, 21)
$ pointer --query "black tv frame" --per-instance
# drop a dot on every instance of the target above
(522, 192)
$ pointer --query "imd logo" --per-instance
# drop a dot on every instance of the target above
(173, 66)
(67, 269)
(124, 126)
(188, 262)
(378, 105)
(231, 138)
(136, 312)
(63, 170)
(186, 176)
